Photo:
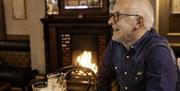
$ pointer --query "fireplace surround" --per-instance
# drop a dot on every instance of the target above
(67, 37)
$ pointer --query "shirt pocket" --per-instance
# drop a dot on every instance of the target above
(138, 78)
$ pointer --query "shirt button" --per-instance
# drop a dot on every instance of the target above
(116, 68)
(127, 57)
(125, 73)
(126, 88)
(132, 46)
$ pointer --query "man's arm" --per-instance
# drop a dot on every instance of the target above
(161, 72)
(106, 73)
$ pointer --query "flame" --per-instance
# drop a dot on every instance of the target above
(85, 60)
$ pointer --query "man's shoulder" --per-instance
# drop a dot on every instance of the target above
(158, 40)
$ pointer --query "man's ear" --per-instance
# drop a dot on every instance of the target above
(140, 22)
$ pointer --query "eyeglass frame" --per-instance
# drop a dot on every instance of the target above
(116, 17)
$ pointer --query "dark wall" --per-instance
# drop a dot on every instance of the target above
(169, 25)
(164, 16)
(168, 22)
(2, 22)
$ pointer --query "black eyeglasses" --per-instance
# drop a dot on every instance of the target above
(116, 15)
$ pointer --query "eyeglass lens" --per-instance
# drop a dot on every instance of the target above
(116, 16)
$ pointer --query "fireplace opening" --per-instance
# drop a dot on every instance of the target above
(84, 42)
(73, 47)
(84, 50)
(80, 49)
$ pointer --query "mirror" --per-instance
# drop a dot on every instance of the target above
(82, 4)
(58, 8)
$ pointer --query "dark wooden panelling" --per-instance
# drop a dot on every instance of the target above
(175, 23)
(2, 22)
(169, 25)
(18, 37)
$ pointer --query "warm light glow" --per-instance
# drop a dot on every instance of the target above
(85, 60)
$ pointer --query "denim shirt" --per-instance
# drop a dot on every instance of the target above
(149, 65)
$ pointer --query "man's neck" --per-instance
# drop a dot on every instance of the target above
(136, 36)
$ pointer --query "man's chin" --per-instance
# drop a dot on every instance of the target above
(115, 39)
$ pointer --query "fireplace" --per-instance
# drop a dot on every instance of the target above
(66, 39)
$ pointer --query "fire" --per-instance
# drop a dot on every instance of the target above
(85, 60)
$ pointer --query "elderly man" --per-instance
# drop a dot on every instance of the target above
(137, 57)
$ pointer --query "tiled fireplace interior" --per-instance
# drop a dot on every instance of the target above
(72, 45)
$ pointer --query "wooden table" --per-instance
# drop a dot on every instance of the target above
(4, 86)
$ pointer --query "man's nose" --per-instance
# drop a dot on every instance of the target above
(110, 22)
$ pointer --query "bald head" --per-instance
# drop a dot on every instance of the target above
(138, 7)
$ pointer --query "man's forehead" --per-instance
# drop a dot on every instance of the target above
(122, 6)
(119, 9)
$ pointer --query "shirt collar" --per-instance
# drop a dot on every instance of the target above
(138, 44)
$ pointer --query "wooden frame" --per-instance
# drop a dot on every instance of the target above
(19, 9)
(102, 10)
(176, 6)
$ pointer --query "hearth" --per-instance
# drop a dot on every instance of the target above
(66, 39)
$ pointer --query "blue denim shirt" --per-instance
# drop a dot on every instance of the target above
(149, 65)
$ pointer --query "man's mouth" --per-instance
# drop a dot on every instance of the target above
(115, 30)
